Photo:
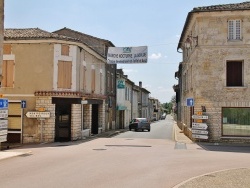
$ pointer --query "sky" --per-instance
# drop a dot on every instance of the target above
(157, 24)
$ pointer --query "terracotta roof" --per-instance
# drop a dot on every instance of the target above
(97, 44)
(34, 34)
(224, 7)
(213, 8)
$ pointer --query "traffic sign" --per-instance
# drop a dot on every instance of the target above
(199, 117)
(190, 102)
(37, 114)
(23, 104)
(4, 113)
(4, 103)
(199, 131)
(199, 136)
(202, 126)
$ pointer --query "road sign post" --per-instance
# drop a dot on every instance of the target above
(199, 128)
(4, 104)
(39, 115)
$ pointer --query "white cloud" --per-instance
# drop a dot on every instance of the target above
(155, 56)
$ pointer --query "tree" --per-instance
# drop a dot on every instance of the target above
(169, 105)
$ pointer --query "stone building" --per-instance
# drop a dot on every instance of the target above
(214, 73)
(45, 71)
(100, 46)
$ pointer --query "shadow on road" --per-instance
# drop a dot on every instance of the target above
(223, 147)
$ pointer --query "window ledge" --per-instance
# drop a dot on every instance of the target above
(235, 88)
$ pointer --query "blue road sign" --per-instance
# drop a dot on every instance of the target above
(4, 103)
(23, 104)
(190, 102)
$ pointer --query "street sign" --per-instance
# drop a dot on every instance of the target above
(23, 104)
(190, 102)
(199, 131)
(3, 123)
(4, 103)
(3, 113)
(199, 136)
(37, 114)
(202, 126)
(199, 117)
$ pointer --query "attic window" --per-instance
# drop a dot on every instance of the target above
(65, 50)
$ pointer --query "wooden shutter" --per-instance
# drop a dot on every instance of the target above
(8, 73)
(64, 74)
(93, 80)
(65, 50)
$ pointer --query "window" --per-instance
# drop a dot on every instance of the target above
(84, 77)
(236, 121)
(234, 73)
(112, 82)
(101, 80)
(64, 74)
(93, 79)
(108, 81)
(8, 73)
(234, 29)
(65, 50)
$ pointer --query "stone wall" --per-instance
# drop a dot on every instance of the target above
(76, 123)
(47, 133)
(204, 69)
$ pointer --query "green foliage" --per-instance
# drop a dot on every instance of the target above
(168, 105)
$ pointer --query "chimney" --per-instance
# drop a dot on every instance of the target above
(140, 84)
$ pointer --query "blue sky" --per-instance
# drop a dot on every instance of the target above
(155, 23)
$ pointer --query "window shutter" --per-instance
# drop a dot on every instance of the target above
(8, 73)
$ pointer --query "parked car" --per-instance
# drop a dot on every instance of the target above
(140, 124)
(163, 116)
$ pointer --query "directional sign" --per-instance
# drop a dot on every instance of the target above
(4, 103)
(37, 114)
(190, 102)
(199, 131)
(199, 117)
(202, 126)
(199, 136)
(3, 113)
(23, 104)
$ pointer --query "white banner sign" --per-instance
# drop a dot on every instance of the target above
(125, 55)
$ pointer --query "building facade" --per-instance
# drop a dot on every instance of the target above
(45, 71)
(100, 46)
(214, 73)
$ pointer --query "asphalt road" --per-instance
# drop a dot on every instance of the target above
(122, 161)
(162, 129)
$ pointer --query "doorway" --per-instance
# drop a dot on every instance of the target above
(94, 125)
